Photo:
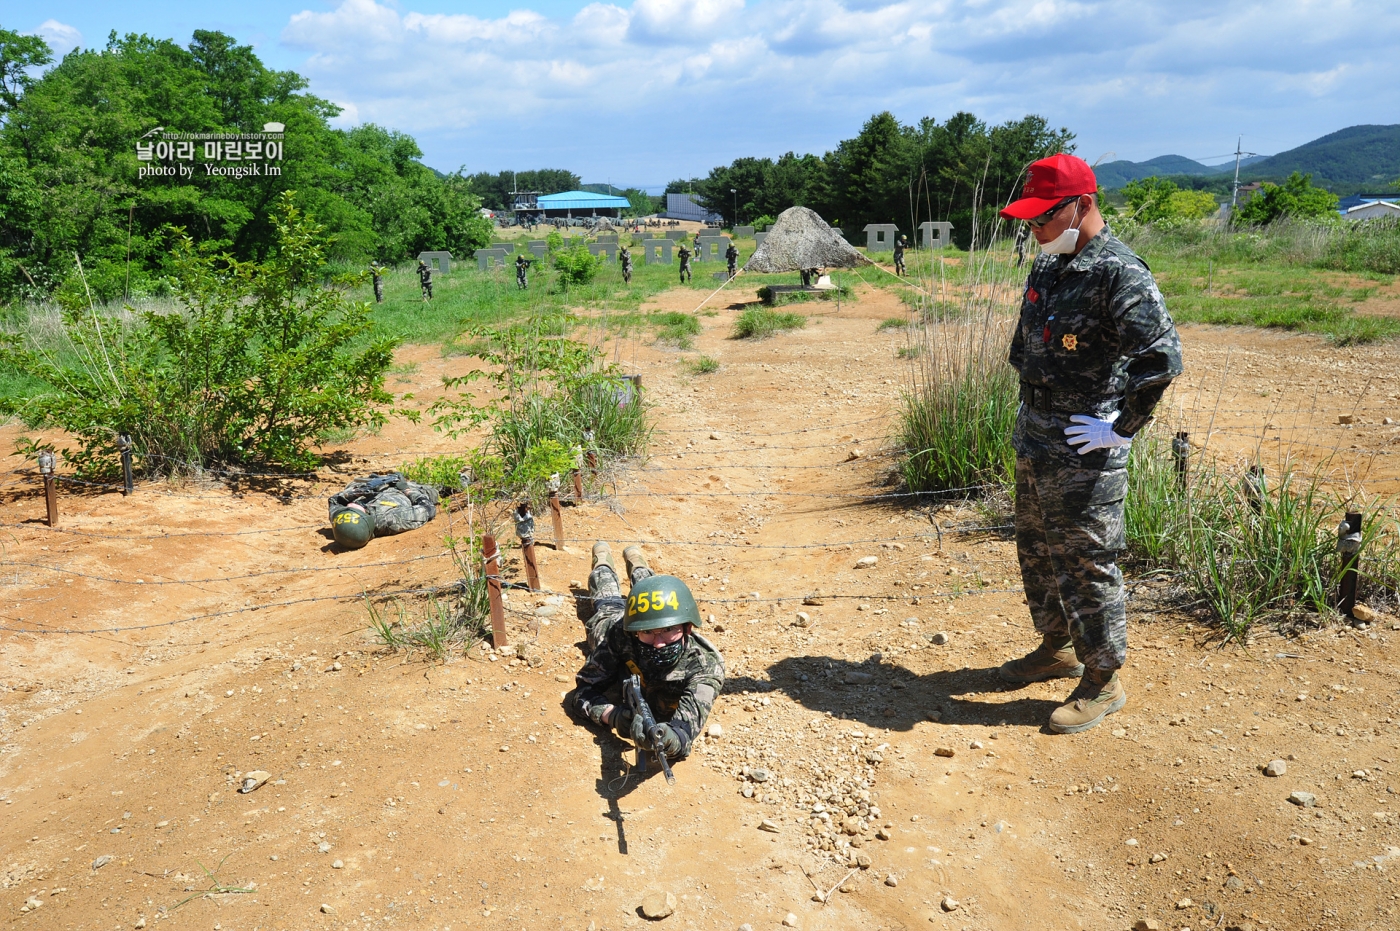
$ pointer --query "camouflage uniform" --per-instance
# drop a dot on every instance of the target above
(394, 505)
(685, 264)
(1094, 337)
(626, 256)
(681, 697)
(376, 272)
(899, 256)
(731, 257)
(425, 280)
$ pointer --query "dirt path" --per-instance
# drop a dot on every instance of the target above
(460, 796)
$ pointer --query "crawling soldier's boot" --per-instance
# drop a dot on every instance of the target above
(636, 560)
(1098, 695)
(602, 556)
(1053, 659)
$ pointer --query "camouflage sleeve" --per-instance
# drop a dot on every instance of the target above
(694, 707)
(1017, 356)
(1148, 339)
(593, 680)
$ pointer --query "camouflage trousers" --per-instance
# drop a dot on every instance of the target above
(608, 604)
(1069, 532)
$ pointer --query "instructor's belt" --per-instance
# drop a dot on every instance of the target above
(1065, 402)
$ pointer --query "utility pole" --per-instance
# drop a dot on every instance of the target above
(1235, 191)
(735, 192)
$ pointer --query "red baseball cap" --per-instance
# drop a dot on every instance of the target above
(1050, 181)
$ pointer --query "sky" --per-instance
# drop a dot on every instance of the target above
(640, 93)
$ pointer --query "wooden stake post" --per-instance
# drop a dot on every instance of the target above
(525, 529)
(491, 568)
(557, 515)
(124, 444)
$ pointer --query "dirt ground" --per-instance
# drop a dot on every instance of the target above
(408, 794)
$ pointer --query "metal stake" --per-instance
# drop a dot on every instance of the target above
(491, 555)
(47, 463)
(124, 444)
(1181, 452)
(1349, 546)
(525, 529)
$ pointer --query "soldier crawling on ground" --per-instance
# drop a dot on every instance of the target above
(650, 635)
(425, 279)
(625, 255)
(684, 253)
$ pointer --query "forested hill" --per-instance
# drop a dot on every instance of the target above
(1357, 155)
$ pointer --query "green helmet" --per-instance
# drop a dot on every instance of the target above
(660, 601)
(351, 527)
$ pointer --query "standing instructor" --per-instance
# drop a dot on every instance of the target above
(1095, 349)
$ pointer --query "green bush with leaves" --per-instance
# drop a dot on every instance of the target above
(1296, 198)
(761, 323)
(549, 390)
(576, 265)
(259, 360)
(1152, 199)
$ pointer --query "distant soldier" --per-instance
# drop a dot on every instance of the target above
(425, 279)
(899, 245)
(376, 272)
(684, 253)
(625, 255)
(731, 256)
(522, 264)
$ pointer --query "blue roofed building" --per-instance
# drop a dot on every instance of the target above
(572, 204)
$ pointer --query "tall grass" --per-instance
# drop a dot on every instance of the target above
(958, 414)
(761, 323)
(1244, 553)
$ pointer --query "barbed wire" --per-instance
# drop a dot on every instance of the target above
(231, 578)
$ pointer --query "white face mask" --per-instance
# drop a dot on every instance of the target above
(1064, 243)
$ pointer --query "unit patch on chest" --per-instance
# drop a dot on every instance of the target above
(1070, 341)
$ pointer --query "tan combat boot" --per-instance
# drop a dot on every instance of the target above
(635, 559)
(602, 556)
(1098, 695)
(1053, 659)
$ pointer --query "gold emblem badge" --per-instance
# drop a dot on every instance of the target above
(1070, 341)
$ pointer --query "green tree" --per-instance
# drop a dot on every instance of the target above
(1154, 198)
(1296, 198)
(18, 56)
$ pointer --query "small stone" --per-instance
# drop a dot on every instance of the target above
(949, 904)
(1233, 883)
(851, 825)
(1147, 924)
(790, 921)
(714, 730)
(1305, 841)
(140, 923)
(715, 435)
(855, 677)
(161, 824)
(863, 861)
(892, 880)
(547, 611)
(854, 454)
(326, 909)
(803, 619)
(935, 715)
(1119, 732)
(1346, 419)
(229, 693)
(338, 865)
(1157, 858)
(1276, 768)
(938, 639)
(760, 775)
(769, 826)
(658, 905)
(1131, 842)
(102, 861)
(1303, 799)
(884, 834)
(254, 780)
(323, 847)
(1364, 614)
(747, 791)
(814, 599)
(866, 562)
(976, 745)
(944, 751)
(1183, 904)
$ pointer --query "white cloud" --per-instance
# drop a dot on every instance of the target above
(667, 88)
(61, 37)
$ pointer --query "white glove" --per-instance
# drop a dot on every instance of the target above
(1091, 433)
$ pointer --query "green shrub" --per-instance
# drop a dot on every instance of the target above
(893, 323)
(702, 365)
(444, 472)
(764, 223)
(676, 328)
(761, 323)
(256, 363)
(1366, 246)
(576, 264)
(957, 430)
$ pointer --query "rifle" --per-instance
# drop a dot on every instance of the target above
(632, 693)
